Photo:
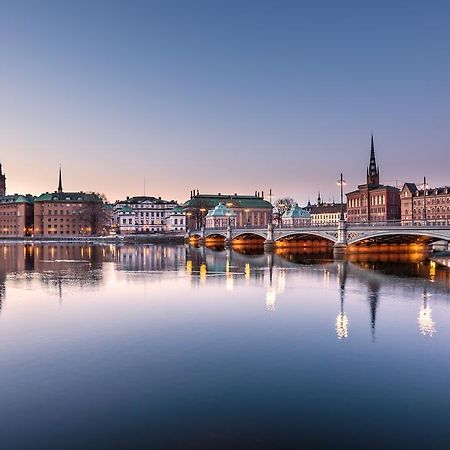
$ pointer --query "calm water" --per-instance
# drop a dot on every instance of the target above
(174, 347)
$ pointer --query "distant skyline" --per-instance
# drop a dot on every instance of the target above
(227, 97)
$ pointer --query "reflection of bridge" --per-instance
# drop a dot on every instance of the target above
(340, 235)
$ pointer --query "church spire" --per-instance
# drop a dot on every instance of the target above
(373, 172)
(60, 188)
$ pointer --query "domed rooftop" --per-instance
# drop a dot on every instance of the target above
(220, 211)
(297, 213)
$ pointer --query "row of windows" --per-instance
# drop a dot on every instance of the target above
(61, 212)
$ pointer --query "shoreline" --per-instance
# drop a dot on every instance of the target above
(129, 239)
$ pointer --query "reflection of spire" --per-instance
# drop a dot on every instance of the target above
(373, 294)
(425, 321)
(342, 319)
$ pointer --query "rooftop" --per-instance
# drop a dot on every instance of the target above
(209, 201)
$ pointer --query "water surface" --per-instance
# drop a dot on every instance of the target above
(180, 347)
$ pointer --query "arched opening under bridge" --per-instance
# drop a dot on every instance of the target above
(248, 239)
(314, 243)
(391, 242)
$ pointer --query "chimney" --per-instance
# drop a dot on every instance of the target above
(262, 194)
(197, 192)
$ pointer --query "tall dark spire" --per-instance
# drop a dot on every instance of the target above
(373, 172)
(2, 182)
(60, 188)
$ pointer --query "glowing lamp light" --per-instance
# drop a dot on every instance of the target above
(342, 326)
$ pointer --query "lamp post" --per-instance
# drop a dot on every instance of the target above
(202, 216)
(246, 217)
(341, 183)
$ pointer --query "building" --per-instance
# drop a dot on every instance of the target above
(296, 217)
(425, 206)
(2, 182)
(250, 210)
(16, 215)
(68, 213)
(220, 217)
(144, 214)
(323, 214)
(176, 221)
(372, 201)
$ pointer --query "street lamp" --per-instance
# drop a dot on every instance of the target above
(341, 183)
(246, 217)
(202, 211)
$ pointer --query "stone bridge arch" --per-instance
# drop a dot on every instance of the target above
(398, 236)
(328, 235)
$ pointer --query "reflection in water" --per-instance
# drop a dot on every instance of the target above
(342, 319)
(57, 266)
(425, 321)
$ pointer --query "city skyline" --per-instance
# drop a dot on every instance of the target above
(219, 98)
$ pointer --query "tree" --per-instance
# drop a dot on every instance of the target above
(284, 204)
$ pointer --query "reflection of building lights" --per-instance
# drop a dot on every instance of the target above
(281, 282)
(229, 283)
(247, 271)
(425, 321)
(432, 270)
(203, 271)
(189, 267)
(342, 326)
(326, 277)
(271, 297)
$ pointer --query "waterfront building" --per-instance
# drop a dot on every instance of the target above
(296, 217)
(250, 210)
(420, 206)
(176, 221)
(16, 215)
(144, 214)
(220, 217)
(73, 214)
(323, 214)
(372, 201)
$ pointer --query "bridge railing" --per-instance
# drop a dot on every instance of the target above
(380, 224)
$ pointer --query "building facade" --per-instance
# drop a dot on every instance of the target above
(296, 217)
(220, 217)
(141, 215)
(250, 210)
(68, 214)
(16, 215)
(429, 206)
(372, 201)
(324, 214)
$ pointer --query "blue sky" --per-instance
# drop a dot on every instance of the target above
(222, 96)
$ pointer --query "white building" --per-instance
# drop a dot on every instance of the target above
(326, 213)
(142, 214)
(176, 221)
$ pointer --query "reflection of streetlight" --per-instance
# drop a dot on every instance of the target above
(341, 183)
(425, 321)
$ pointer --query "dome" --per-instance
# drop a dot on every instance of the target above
(297, 213)
(221, 211)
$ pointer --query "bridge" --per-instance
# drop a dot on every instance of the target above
(340, 236)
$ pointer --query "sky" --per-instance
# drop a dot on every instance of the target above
(222, 96)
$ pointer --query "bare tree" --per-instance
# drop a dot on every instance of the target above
(96, 215)
(284, 204)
